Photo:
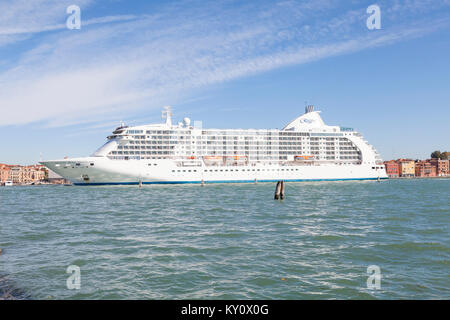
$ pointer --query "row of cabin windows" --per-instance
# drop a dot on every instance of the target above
(239, 133)
(230, 139)
(246, 136)
(260, 155)
(235, 170)
(251, 158)
(253, 149)
(215, 142)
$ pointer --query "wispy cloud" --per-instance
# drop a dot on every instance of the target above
(157, 58)
(42, 28)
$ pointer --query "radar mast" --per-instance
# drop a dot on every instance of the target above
(167, 114)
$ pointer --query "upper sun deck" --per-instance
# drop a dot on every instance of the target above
(309, 122)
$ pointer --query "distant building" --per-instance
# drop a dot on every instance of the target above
(442, 167)
(392, 169)
(33, 174)
(5, 173)
(425, 169)
(16, 174)
(406, 167)
(22, 174)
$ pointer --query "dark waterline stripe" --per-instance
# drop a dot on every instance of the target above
(219, 181)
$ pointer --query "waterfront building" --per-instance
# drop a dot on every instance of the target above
(442, 167)
(22, 174)
(392, 169)
(425, 169)
(5, 173)
(16, 174)
(406, 168)
(32, 174)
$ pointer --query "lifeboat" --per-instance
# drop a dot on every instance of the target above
(302, 158)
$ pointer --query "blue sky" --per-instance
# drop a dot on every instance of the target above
(231, 64)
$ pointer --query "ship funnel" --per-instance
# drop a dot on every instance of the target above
(309, 108)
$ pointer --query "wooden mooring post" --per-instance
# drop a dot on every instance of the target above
(279, 191)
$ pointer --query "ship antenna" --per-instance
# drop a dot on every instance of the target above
(309, 108)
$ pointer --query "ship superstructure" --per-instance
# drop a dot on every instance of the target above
(305, 149)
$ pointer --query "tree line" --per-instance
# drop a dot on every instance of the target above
(440, 155)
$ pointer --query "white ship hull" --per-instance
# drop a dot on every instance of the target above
(103, 171)
(304, 150)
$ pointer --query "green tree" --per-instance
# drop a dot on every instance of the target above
(436, 154)
(445, 155)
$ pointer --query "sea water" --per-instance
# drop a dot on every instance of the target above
(325, 240)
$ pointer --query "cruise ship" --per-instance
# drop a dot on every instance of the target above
(306, 149)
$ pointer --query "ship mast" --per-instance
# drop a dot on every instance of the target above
(167, 114)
